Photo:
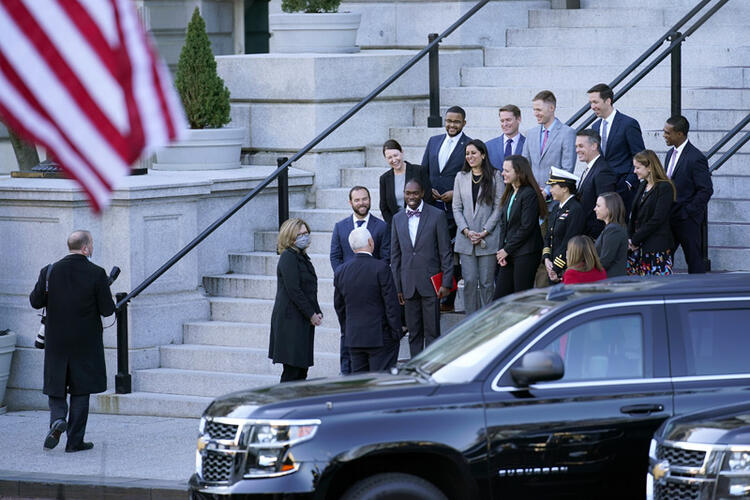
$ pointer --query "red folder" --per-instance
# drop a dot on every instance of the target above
(437, 281)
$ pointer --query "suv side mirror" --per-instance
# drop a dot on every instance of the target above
(538, 366)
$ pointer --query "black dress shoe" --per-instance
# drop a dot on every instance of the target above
(81, 447)
(53, 436)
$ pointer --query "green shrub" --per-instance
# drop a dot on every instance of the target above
(203, 94)
(310, 6)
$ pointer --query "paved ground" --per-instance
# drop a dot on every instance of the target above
(133, 457)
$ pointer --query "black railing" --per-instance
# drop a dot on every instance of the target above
(675, 38)
(122, 380)
(725, 140)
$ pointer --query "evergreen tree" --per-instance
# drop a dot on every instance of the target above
(204, 96)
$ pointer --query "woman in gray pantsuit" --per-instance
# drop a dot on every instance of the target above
(476, 209)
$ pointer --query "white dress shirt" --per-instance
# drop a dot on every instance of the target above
(609, 121)
(413, 223)
(446, 149)
(366, 219)
(586, 170)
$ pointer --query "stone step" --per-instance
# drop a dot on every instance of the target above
(237, 360)
(732, 186)
(320, 242)
(729, 259)
(733, 235)
(734, 13)
(149, 403)
(265, 263)
(679, 7)
(257, 286)
(637, 97)
(587, 18)
(256, 335)
(368, 177)
(584, 75)
(197, 382)
(692, 55)
(339, 197)
(739, 164)
(253, 310)
(614, 36)
(649, 118)
(729, 210)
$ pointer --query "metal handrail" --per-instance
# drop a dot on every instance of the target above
(122, 378)
(724, 140)
(320, 137)
(676, 41)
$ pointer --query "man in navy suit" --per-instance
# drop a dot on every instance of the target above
(621, 140)
(511, 141)
(443, 158)
(359, 199)
(367, 307)
(688, 169)
(421, 249)
(597, 178)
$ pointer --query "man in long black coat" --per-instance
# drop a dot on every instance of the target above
(367, 307)
(77, 296)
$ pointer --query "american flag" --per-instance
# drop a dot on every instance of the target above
(81, 78)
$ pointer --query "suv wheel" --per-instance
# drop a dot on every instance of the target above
(394, 486)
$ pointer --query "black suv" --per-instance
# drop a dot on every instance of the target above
(548, 393)
(702, 456)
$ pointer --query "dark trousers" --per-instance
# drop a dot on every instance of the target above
(345, 358)
(687, 233)
(375, 359)
(452, 229)
(77, 418)
(517, 275)
(423, 321)
(292, 373)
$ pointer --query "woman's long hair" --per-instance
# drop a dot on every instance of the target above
(581, 254)
(615, 207)
(648, 159)
(487, 183)
(522, 167)
(288, 233)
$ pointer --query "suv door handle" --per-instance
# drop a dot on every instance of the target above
(641, 409)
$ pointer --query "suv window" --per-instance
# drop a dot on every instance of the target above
(716, 342)
(601, 349)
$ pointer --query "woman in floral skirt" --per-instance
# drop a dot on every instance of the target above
(650, 243)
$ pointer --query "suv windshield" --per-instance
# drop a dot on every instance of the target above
(459, 356)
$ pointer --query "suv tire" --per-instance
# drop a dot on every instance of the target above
(394, 486)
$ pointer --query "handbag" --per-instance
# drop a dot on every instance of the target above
(39, 342)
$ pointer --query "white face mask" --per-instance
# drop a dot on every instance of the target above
(302, 241)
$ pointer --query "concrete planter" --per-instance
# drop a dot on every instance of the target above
(203, 149)
(7, 346)
(334, 32)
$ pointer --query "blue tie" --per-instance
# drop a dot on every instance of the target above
(360, 222)
(508, 148)
(604, 136)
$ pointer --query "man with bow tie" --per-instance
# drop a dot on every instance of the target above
(420, 249)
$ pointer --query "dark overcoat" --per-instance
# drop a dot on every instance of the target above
(292, 333)
(78, 296)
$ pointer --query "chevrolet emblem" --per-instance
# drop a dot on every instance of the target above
(660, 471)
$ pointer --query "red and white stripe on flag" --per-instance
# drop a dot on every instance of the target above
(81, 78)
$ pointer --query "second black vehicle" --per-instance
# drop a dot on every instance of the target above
(545, 394)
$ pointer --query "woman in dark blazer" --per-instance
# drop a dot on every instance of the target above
(650, 241)
(612, 243)
(521, 243)
(296, 312)
(393, 181)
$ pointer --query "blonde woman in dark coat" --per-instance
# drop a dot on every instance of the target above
(296, 312)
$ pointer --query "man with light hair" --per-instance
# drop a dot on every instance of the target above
(367, 307)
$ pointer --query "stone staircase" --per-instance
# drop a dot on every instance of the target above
(564, 51)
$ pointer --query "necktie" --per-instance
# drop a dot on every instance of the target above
(583, 175)
(604, 136)
(360, 222)
(508, 148)
(413, 213)
(544, 142)
(672, 162)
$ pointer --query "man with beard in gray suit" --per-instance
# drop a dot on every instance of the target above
(420, 249)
